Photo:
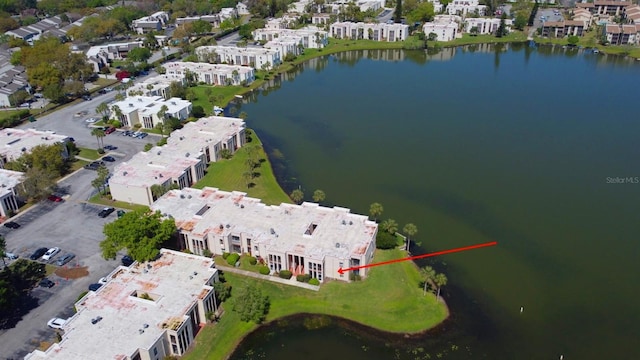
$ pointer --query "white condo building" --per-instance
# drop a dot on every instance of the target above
(462, 7)
(144, 110)
(213, 74)
(371, 31)
(144, 312)
(486, 25)
(181, 162)
(15, 142)
(305, 239)
(8, 195)
(309, 37)
(255, 57)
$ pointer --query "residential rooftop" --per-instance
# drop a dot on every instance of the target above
(197, 135)
(15, 142)
(8, 180)
(151, 105)
(128, 322)
(283, 228)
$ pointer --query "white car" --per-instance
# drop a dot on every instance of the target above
(56, 323)
(103, 280)
(91, 120)
(50, 253)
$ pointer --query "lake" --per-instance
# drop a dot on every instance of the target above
(533, 147)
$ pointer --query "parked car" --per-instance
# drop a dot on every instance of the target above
(127, 133)
(46, 283)
(91, 120)
(109, 130)
(109, 158)
(81, 113)
(50, 253)
(142, 135)
(38, 253)
(110, 147)
(10, 256)
(56, 323)
(106, 211)
(86, 97)
(127, 260)
(94, 287)
(92, 166)
(65, 259)
(12, 225)
(54, 198)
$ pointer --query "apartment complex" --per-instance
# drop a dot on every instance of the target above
(15, 142)
(12, 78)
(8, 195)
(255, 57)
(144, 312)
(46, 27)
(445, 27)
(305, 239)
(370, 31)
(605, 7)
(213, 74)
(622, 34)
(156, 86)
(563, 28)
(101, 55)
(214, 19)
(144, 110)
(308, 37)
(154, 22)
(180, 163)
(464, 7)
(485, 25)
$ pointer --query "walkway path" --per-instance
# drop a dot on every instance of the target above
(292, 281)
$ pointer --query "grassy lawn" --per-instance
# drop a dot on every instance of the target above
(516, 36)
(91, 154)
(5, 114)
(390, 299)
(227, 93)
(77, 164)
(244, 263)
(227, 175)
(100, 200)
(102, 82)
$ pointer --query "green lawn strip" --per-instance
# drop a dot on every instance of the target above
(390, 299)
(5, 114)
(91, 154)
(227, 92)
(227, 175)
(98, 199)
(77, 164)
(467, 39)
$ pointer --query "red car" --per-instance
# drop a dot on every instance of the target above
(55, 198)
(110, 130)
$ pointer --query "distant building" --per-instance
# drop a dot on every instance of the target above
(605, 7)
(463, 7)
(144, 110)
(9, 180)
(156, 86)
(145, 311)
(213, 74)
(154, 22)
(621, 34)
(486, 25)
(30, 33)
(563, 28)
(15, 142)
(321, 19)
(445, 27)
(370, 31)
(632, 14)
(309, 37)
(305, 239)
(100, 56)
(12, 79)
(181, 162)
(256, 57)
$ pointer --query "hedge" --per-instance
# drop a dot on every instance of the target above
(285, 274)
(253, 260)
(303, 278)
(233, 258)
(314, 281)
(384, 240)
(225, 255)
(264, 270)
(14, 119)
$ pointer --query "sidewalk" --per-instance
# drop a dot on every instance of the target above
(292, 281)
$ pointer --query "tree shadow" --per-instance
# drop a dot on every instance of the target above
(255, 174)
(251, 185)
(23, 305)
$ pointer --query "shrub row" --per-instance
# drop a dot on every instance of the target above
(314, 281)
(285, 274)
(253, 260)
(264, 270)
(303, 278)
(225, 255)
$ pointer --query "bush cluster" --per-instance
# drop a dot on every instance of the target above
(233, 258)
(314, 281)
(264, 270)
(303, 278)
(225, 255)
(253, 260)
(384, 240)
(285, 274)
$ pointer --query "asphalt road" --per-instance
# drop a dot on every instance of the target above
(72, 225)
(385, 16)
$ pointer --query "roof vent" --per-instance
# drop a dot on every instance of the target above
(145, 325)
(241, 206)
(187, 155)
(160, 175)
(140, 331)
(181, 196)
(350, 222)
(190, 277)
(24, 149)
(344, 222)
(159, 152)
(195, 273)
(228, 226)
(221, 226)
(181, 138)
(124, 173)
(188, 196)
(337, 245)
(272, 231)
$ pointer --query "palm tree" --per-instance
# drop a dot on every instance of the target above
(390, 226)
(118, 113)
(297, 196)
(376, 210)
(318, 196)
(440, 280)
(119, 97)
(99, 134)
(243, 115)
(103, 109)
(429, 275)
(410, 229)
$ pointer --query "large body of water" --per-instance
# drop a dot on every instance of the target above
(515, 144)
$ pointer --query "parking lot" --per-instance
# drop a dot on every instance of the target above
(73, 225)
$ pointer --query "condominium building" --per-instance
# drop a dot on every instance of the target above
(213, 74)
(15, 142)
(444, 31)
(464, 7)
(309, 37)
(622, 34)
(144, 110)
(153, 22)
(563, 28)
(256, 57)
(145, 311)
(179, 163)
(485, 25)
(13, 78)
(156, 86)
(8, 195)
(305, 239)
(370, 31)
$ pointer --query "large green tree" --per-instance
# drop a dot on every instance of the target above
(38, 184)
(139, 54)
(251, 304)
(43, 157)
(141, 232)
(422, 13)
(440, 280)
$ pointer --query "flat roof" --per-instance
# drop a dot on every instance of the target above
(336, 231)
(203, 67)
(151, 104)
(15, 142)
(175, 282)
(8, 180)
(197, 135)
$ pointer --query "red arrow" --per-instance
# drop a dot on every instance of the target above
(464, 248)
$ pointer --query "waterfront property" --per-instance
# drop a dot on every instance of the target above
(308, 37)
(563, 28)
(179, 163)
(213, 74)
(605, 7)
(145, 311)
(144, 110)
(287, 21)
(256, 57)
(444, 30)
(369, 31)
(304, 239)
(622, 34)
(8, 195)
(214, 19)
(632, 14)
(464, 7)
(156, 86)
(15, 142)
(485, 25)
